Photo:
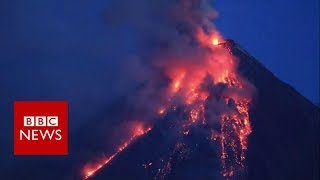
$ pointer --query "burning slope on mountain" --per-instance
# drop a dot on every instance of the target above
(200, 78)
(196, 87)
(283, 144)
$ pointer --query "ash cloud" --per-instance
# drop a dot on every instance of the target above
(167, 35)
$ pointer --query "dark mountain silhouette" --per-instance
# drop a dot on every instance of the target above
(284, 143)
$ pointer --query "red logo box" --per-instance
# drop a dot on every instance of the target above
(40, 128)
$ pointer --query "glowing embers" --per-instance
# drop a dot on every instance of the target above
(91, 168)
(147, 165)
(180, 151)
(186, 132)
(161, 111)
(196, 114)
(244, 125)
(235, 129)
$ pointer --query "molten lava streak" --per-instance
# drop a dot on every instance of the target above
(91, 169)
(194, 83)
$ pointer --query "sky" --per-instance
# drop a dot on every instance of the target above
(283, 35)
(64, 50)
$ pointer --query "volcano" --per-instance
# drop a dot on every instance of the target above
(194, 105)
(283, 142)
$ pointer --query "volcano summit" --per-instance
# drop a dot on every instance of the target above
(282, 138)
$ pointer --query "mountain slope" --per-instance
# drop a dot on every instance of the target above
(284, 143)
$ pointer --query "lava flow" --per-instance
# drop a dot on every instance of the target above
(92, 168)
(213, 93)
(201, 79)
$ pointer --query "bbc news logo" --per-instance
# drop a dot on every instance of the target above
(40, 128)
(40, 121)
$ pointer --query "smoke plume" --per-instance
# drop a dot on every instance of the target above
(183, 68)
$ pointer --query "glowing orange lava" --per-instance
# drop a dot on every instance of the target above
(92, 168)
(215, 41)
(187, 82)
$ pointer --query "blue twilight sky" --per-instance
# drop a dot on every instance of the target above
(282, 34)
(63, 49)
